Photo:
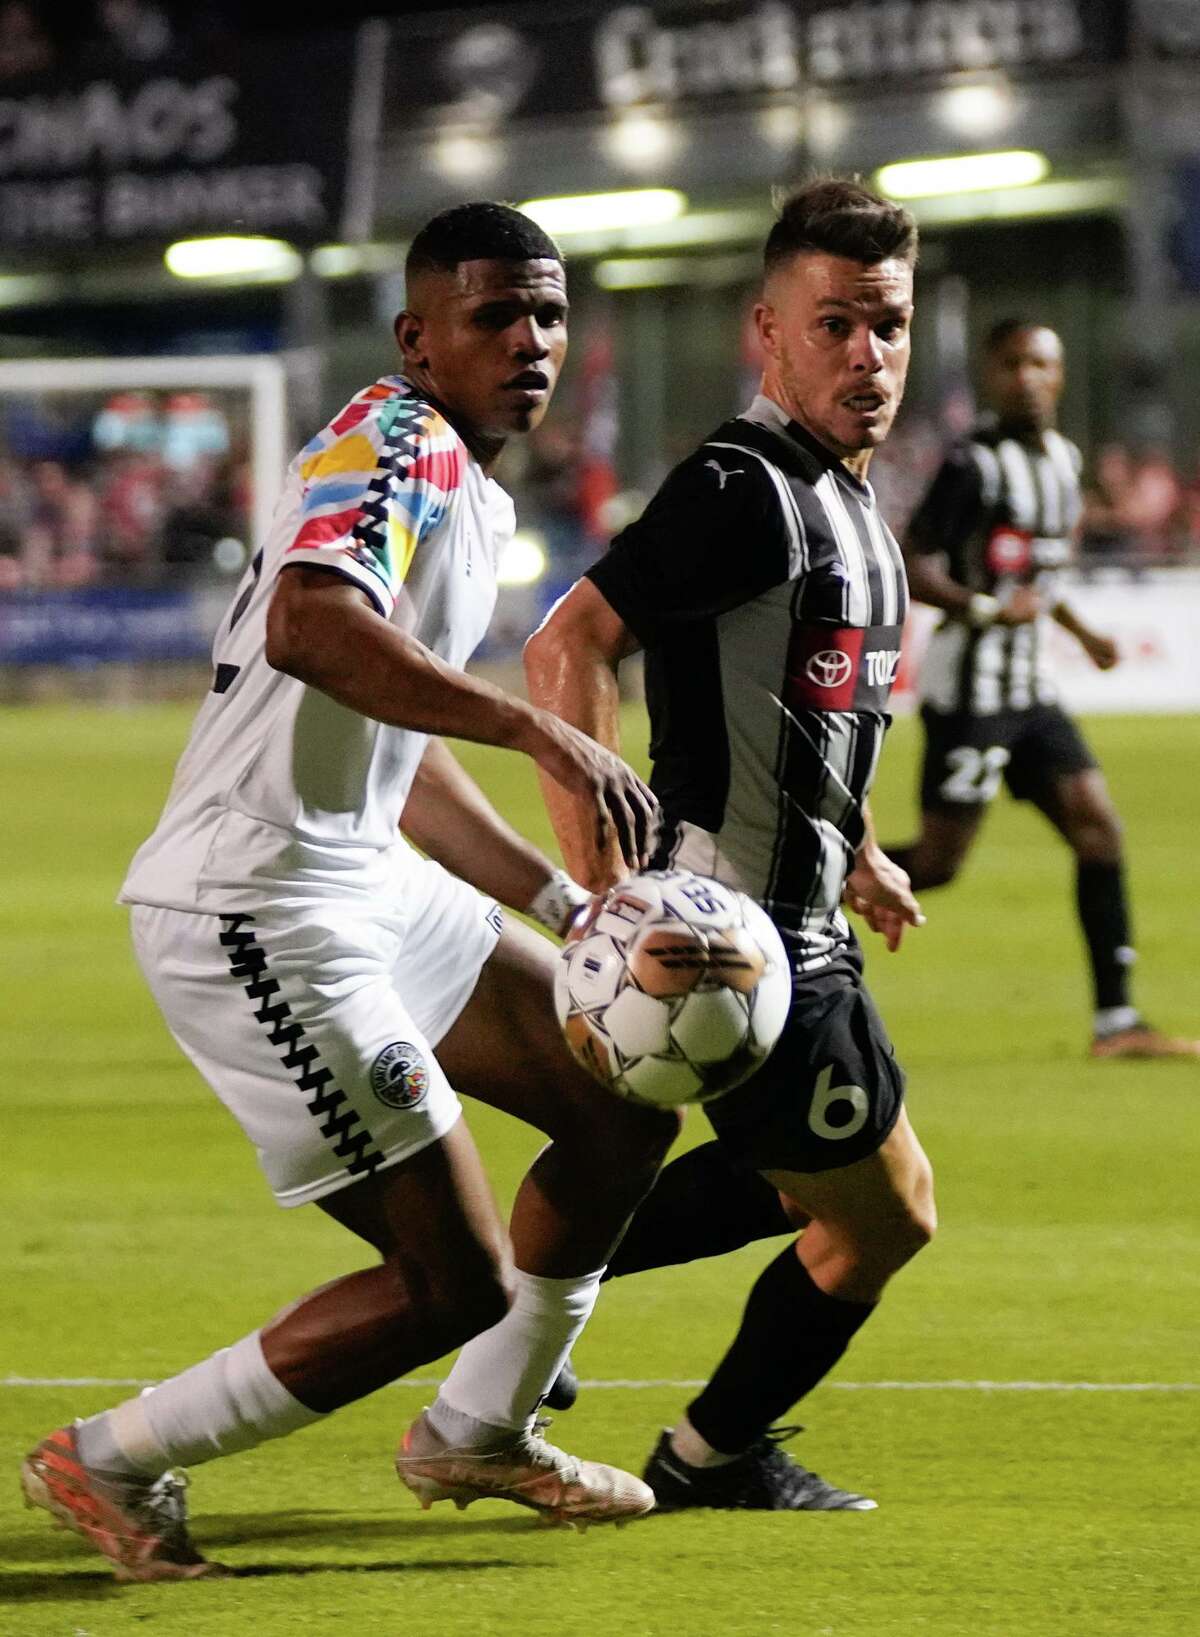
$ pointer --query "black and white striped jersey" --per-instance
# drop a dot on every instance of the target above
(1003, 511)
(769, 597)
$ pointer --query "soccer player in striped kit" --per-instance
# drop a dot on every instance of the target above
(769, 596)
(986, 546)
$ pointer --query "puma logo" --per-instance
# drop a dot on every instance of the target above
(722, 474)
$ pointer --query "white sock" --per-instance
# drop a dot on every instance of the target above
(501, 1376)
(230, 1402)
(694, 1450)
(1112, 1019)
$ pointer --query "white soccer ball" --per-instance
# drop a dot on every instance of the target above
(673, 988)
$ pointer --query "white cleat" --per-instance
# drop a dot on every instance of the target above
(140, 1528)
(559, 1487)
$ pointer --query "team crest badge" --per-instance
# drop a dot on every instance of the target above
(399, 1076)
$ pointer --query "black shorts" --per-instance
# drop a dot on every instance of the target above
(966, 757)
(829, 1093)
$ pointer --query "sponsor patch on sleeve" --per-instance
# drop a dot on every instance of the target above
(842, 668)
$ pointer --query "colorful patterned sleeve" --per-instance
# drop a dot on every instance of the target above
(376, 481)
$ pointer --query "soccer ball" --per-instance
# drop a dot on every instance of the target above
(673, 988)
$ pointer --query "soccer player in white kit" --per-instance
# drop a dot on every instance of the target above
(334, 986)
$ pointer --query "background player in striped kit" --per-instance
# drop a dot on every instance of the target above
(334, 986)
(768, 597)
(986, 546)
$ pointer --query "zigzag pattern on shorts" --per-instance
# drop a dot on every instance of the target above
(326, 1102)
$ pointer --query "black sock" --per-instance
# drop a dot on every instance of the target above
(792, 1334)
(700, 1205)
(1104, 917)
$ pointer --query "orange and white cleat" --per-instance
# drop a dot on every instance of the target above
(140, 1528)
(529, 1471)
(1141, 1041)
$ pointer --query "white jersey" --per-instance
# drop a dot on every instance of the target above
(281, 791)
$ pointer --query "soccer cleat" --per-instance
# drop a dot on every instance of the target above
(1142, 1041)
(565, 1390)
(764, 1479)
(529, 1471)
(140, 1527)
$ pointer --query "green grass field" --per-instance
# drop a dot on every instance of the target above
(139, 1237)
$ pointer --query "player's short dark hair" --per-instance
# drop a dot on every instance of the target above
(838, 216)
(480, 231)
(1005, 328)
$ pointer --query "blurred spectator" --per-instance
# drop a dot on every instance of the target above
(550, 500)
(596, 467)
(14, 521)
(25, 47)
(1134, 509)
(200, 520)
(131, 514)
(1155, 506)
(61, 542)
(904, 467)
(194, 430)
(129, 420)
(1189, 512)
(1107, 526)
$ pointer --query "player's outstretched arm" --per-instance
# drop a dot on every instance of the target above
(930, 582)
(324, 631)
(571, 665)
(1102, 651)
(448, 816)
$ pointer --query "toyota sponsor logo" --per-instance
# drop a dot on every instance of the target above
(829, 669)
(1010, 549)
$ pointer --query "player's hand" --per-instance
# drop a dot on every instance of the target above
(624, 806)
(878, 890)
(1021, 607)
(1102, 651)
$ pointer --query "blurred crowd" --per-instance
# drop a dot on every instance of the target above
(151, 489)
(154, 489)
(1139, 507)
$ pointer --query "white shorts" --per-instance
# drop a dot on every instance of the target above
(315, 1022)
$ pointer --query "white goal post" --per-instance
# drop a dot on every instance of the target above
(262, 377)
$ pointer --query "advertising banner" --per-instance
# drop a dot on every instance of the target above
(1153, 619)
(573, 59)
(103, 626)
(249, 138)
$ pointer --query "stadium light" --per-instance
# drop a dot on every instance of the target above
(642, 272)
(640, 139)
(21, 289)
(655, 272)
(228, 256)
(606, 212)
(782, 124)
(965, 173)
(467, 156)
(339, 261)
(979, 110)
(523, 560)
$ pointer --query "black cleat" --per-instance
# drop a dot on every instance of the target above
(764, 1479)
(565, 1390)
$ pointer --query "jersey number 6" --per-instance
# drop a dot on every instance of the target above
(826, 1097)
